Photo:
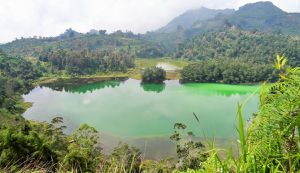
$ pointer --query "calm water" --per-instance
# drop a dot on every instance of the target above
(129, 110)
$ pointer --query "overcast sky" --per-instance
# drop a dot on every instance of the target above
(51, 17)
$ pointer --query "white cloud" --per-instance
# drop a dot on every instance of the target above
(51, 17)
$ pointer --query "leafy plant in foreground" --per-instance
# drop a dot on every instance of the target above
(190, 153)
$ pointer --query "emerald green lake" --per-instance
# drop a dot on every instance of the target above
(131, 111)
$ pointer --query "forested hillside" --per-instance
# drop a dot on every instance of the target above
(72, 40)
(16, 77)
(236, 56)
(265, 16)
(260, 16)
(189, 18)
(237, 44)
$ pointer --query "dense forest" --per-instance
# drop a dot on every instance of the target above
(236, 56)
(87, 62)
(233, 43)
(225, 70)
(16, 77)
(71, 40)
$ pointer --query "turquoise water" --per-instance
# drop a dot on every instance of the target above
(128, 109)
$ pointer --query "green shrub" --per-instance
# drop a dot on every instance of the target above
(153, 75)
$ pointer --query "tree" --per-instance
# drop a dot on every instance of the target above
(84, 152)
(153, 75)
(190, 153)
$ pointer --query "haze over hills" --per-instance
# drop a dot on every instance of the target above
(187, 19)
(266, 17)
(260, 16)
(263, 16)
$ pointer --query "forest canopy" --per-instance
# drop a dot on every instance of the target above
(233, 43)
(231, 71)
(87, 61)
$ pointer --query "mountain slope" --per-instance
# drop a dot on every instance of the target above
(237, 44)
(187, 19)
(262, 16)
(256, 15)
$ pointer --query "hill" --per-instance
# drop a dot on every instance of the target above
(93, 40)
(237, 44)
(259, 16)
(187, 19)
(265, 16)
(262, 16)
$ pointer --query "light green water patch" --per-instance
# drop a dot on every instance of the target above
(222, 89)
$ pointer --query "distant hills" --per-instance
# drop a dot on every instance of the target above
(265, 16)
(189, 18)
(262, 16)
(259, 16)
(253, 17)
(94, 39)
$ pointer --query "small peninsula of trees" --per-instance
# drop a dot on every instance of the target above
(153, 75)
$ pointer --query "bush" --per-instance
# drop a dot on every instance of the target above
(153, 75)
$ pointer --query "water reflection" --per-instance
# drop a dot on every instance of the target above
(83, 86)
(157, 88)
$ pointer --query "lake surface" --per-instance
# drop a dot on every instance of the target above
(130, 111)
